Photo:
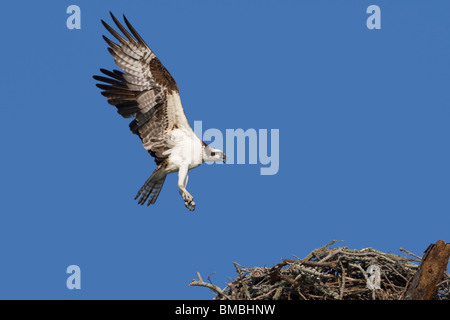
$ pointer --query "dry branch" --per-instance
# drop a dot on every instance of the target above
(424, 284)
(328, 273)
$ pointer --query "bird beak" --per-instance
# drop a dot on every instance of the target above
(224, 158)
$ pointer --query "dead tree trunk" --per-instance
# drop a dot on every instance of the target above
(424, 283)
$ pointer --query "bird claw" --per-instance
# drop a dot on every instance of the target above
(187, 197)
(188, 201)
(190, 205)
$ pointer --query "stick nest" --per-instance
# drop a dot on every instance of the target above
(327, 274)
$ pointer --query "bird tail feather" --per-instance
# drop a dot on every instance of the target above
(151, 188)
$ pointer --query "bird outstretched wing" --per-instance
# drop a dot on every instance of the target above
(143, 90)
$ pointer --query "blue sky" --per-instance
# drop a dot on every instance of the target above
(363, 117)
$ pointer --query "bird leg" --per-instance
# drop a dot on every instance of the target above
(182, 182)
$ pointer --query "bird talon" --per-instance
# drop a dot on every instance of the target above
(190, 205)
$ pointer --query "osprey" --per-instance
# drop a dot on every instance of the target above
(146, 91)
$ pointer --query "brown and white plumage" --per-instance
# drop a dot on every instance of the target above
(146, 91)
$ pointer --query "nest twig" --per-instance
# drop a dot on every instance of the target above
(327, 274)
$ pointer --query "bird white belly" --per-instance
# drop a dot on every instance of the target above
(187, 150)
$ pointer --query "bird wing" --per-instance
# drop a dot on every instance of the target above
(144, 90)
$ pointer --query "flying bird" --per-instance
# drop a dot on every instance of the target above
(145, 91)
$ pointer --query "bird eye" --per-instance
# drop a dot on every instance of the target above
(213, 154)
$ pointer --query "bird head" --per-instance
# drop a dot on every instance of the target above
(211, 154)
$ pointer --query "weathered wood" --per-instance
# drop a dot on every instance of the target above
(423, 285)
